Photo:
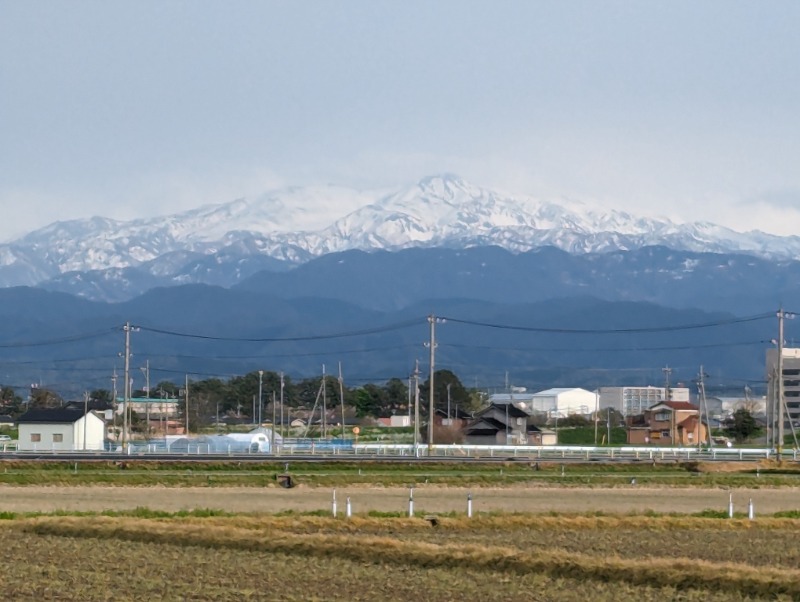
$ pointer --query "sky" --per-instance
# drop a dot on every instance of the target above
(682, 109)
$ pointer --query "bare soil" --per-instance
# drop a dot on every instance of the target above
(427, 498)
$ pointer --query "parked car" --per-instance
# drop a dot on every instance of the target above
(5, 438)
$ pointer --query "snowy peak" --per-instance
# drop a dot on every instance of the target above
(298, 223)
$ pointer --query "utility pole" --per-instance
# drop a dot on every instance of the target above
(506, 441)
(341, 397)
(701, 389)
(272, 435)
(260, 382)
(146, 371)
(432, 345)
(779, 400)
(282, 386)
(416, 409)
(85, 416)
(448, 403)
(127, 394)
(667, 392)
(186, 394)
(114, 403)
(410, 401)
(673, 430)
(324, 404)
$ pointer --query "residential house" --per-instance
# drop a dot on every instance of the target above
(668, 423)
(505, 424)
(60, 429)
(457, 418)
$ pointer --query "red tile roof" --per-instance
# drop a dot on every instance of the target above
(679, 405)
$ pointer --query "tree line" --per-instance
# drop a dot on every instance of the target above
(238, 396)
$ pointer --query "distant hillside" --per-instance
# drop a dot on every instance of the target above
(85, 339)
(386, 281)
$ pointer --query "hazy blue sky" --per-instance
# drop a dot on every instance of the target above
(686, 109)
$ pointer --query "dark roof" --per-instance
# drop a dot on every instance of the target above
(513, 411)
(455, 412)
(484, 425)
(55, 415)
(95, 405)
(6, 418)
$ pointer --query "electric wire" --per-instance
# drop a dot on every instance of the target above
(46, 342)
(651, 329)
(604, 349)
(317, 337)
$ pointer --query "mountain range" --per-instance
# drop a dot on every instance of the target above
(224, 244)
(271, 283)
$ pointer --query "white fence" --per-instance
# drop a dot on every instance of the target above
(518, 452)
(572, 452)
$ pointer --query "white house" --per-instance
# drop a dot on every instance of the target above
(60, 429)
(564, 401)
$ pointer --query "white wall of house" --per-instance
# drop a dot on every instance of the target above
(43, 436)
(564, 401)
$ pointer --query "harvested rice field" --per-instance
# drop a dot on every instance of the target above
(429, 498)
(301, 557)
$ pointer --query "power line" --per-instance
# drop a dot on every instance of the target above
(612, 330)
(70, 339)
(317, 337)
(272, 355)
(605, 349)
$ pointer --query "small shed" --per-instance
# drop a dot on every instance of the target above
(60, 429)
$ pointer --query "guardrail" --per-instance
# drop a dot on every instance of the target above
(571, 452)
(377, 450)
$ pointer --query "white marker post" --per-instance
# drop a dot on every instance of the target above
(411, 502)
(751, 511)
(469, 505)
(348, 509)
(730, 505)
(333, 505)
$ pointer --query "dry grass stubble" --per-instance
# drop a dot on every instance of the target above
(678, 573)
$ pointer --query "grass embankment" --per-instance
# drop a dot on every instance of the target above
(511, 557)
(376, 472)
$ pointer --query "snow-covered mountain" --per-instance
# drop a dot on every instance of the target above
(226, 242)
